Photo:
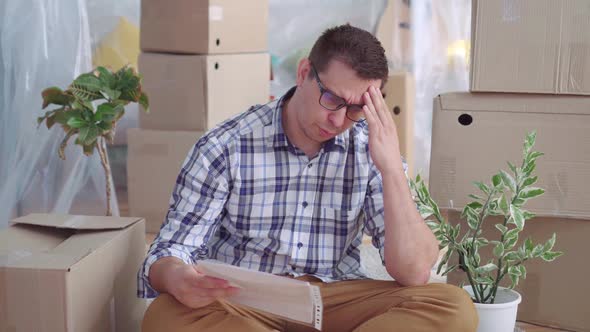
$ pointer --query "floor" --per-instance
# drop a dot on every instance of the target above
(520, 326)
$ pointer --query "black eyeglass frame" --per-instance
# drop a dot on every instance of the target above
(323, 90)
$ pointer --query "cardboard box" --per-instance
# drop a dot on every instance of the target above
(71, 273)
(537, 46)
(197, 92)
(553, 293)
(399, 96)
(204, 27)
(493, 131)
(157, 151)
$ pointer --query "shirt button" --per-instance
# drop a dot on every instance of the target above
(293, 267)
(299, 245)
(309, 165)
(304, 204)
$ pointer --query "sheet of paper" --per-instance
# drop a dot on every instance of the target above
(292, 299)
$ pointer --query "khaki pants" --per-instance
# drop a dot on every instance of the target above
(356, 305)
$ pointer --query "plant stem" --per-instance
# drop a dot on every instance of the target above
(104, 160)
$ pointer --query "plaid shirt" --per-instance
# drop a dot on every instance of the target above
(247, 197)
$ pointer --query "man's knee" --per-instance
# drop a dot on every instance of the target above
(465, 316)
(159, 312)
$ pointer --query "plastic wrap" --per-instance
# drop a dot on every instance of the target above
(441, 39)
(291, 36)
(43, 43)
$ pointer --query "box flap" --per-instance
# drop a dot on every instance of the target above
(76, 222)
(514, 103)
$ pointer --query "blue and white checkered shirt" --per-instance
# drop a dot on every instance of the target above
(247, 197)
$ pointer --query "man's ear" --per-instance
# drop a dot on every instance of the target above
(303, 70)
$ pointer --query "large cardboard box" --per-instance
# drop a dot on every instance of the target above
(154, 161)
(399, 95)
(475, 134)
(204, 27)
(71, 273)
(395, 34)
(554, 293)
(197, 92)
(537, 46)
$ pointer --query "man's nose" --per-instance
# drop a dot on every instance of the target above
(338, 117)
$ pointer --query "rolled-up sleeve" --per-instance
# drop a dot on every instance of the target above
(196, 205)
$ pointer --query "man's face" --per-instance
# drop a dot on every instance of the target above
(317, 122)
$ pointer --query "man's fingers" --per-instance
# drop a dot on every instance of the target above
(379, 105)
(211, 282)
(371, 109)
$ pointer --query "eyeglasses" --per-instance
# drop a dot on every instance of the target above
(332, 102)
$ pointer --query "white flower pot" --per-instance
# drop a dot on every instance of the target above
(500, 316)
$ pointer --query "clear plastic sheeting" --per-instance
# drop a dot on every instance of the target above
(441, 38)
(43, 43)
(294, 25)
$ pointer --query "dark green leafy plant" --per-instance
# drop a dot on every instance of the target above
(505, 196)
(94, 127)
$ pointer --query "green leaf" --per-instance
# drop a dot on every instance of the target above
(482, 187)
(503, 204)
(517, 217)
(107, 112)
(105, 126)
(508, 180)
(529, 246)
(105, 76)
(486, 268)
(128, 82)
(496, 180)
(551, 255)
(145, 103)
(531, 157)
(514, 279)
(550, 243)
(528, 170)
(522, 271)
(538, 251)
(514, 270)
(88, 135)
(475, 205)
(512, 167)
(111, 94)
(511, 256)
(528, 215)
(475, 197)
(76, 122)
(529, 181)
(486, 280)
(425, 210)
(501, 228)
(55, 95)
(528, 193)
(499, 250)
(529, 142)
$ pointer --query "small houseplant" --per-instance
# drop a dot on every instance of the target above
(94, 127)
(504, 197)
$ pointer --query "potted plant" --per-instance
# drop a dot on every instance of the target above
(94, 127)
(505, 197)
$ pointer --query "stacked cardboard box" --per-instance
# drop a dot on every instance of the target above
(71, 273)
(202, 61)
(530, 70)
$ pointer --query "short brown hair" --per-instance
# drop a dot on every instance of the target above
(355, 47)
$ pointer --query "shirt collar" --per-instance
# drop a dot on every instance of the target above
(278, 138)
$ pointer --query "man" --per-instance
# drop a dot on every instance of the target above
(289, 188)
